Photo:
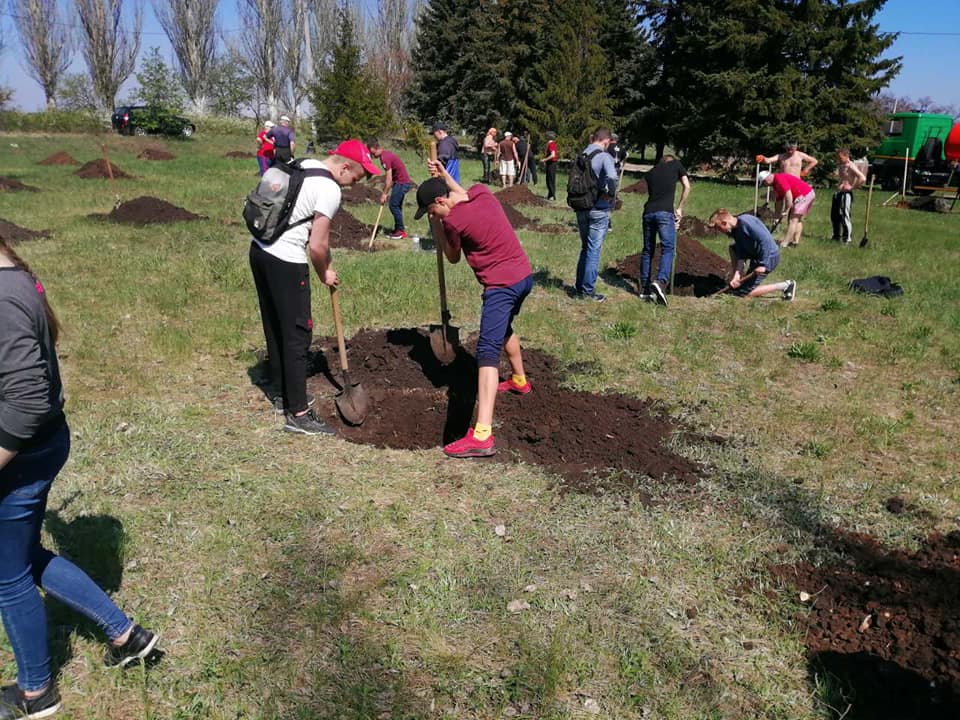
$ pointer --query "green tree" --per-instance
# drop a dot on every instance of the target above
(231, 86)
(348, 99)
(76, 94)
(159, 84)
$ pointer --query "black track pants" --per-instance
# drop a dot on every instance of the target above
(283, 289)
(840, 214)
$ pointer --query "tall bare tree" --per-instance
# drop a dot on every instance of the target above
(389, 55)
(191, 27)
(261, 48)
(296, 60)
(321, 35)
(46, 41)
(109, 50)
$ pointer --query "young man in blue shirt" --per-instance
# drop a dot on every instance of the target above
(751, 241)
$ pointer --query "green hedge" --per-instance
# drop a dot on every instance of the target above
(56, 121)
(220, 126)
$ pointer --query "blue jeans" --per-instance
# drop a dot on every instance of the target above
(24, 564)
(396, 203)
(593, 225)
(663, 224)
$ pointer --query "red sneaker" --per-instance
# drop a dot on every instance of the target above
(511, 386)
(467, 447)
(397, 235)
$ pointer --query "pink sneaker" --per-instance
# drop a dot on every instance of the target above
(511, 386)
(467, 447)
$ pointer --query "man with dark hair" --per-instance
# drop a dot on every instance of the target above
(282, 276)
(594, 223)
(791, 160)
(448, 151)
(396, 185)
(472, 223)
(550, 164)
(659, 218)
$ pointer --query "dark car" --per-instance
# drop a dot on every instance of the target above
(144, 119)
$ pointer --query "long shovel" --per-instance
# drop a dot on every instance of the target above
(444, 338)
(866, 220)
(376, 226)
(352, 400)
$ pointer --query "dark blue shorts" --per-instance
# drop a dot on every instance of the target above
(500, 306)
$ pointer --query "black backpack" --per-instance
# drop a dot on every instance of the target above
(268, 207)
(583, 185)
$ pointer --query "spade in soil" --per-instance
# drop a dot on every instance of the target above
(352, 399)
(866, 221)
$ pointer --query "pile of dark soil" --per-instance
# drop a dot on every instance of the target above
(930, 204)
(884, 623)
(239, 154)
(361, 193)
(9, 184)
(13, 234)
(519, 221)
(596, 443)
(60, 158)
(698, 271)
(96, 169)
(348, 233)
(695, 227)
(155, 154)
(640, 186)
(148, 210)
(520, 195)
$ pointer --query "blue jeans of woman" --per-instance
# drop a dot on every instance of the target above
(396, 203)
(25, 564)
(662, 224)
(593, 225)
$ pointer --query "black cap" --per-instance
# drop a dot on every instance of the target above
(427, 194)
(438, 126)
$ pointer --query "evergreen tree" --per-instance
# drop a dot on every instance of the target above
(159, 84)
(349, 101)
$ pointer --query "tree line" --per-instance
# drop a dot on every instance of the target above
(710, 78)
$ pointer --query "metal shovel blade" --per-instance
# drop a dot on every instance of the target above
(444, 341)
(352, 402)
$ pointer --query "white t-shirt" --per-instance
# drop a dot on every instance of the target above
(317, 195)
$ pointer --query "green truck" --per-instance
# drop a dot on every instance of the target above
(920, 137)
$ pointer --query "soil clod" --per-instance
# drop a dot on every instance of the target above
(13, 234)
(362, 193)
(148, 210)
(348, 233)
(12, 185)
(698, 271)
(521, 195)
(640, 186)
(97, 169)
(60, 158)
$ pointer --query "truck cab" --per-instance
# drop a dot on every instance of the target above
(920, 138)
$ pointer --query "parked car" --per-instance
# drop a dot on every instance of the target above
(144, 119)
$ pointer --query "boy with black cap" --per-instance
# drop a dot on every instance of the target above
(472, 223)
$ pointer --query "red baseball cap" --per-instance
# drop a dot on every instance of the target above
(357, 151)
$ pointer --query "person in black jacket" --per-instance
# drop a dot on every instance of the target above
(34, 445)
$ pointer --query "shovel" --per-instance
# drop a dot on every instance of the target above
(445, 338)
(866, 221)
(376, 226)
(352, 399)
(113, 182)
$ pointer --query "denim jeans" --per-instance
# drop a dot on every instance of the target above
(486, 159)
(24, 564)
(396, 203)
(593, 225)
(662, 223)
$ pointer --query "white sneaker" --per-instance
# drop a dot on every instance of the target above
(658, 293)
(790, 291)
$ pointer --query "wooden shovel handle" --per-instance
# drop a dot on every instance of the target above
(866, 222)
(433, 150)
(338, 323)
(376, 226)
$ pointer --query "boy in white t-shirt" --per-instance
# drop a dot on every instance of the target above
(282, 276)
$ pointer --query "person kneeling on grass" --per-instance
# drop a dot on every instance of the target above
(472, 222)
(34, 446)
(751, 241)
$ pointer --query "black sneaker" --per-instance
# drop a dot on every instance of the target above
(277, 402)
(658, 293)
(595, 297)
(137, 647)
(307, 424)
(790, 291)
(14, 705)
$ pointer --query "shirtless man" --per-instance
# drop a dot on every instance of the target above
(850, 178)
(794, 200)
(791, 160)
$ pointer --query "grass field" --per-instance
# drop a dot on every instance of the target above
(294, 577)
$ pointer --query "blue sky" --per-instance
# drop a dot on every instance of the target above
(929, 43)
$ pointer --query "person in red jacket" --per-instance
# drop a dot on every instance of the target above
(264, 148)
(794, 200)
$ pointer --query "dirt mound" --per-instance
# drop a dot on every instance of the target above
(148, 210)
(239, 154)
(60, 158)
(698, 271)
(100, 169)
(519, 221)
(15, 185)
(520, 195)
(348, 233)
(640, 186)
(884, 623)
(155, 154)
(13, 234)
(695, 227)
(361, 193)
(596, 443)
